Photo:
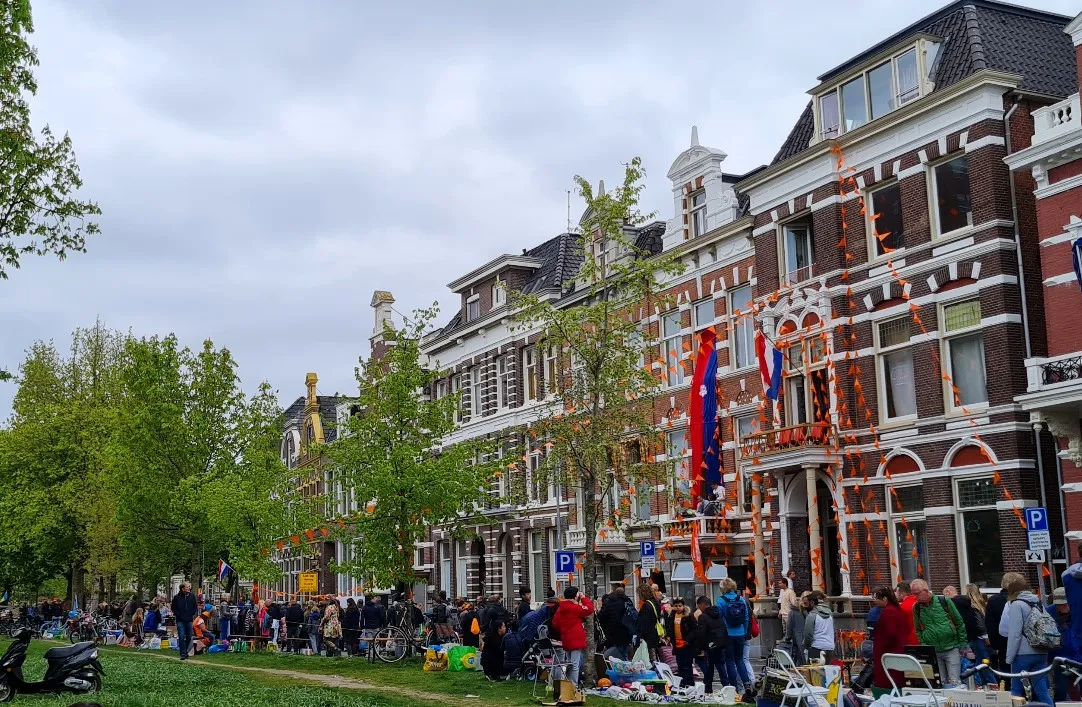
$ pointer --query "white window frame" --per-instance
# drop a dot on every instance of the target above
(933, 199)
(456, 389)
(959, 514)
(531, 381)
(477, 389)
(945, 355)
(552, 370)
(473, 308)
(743, 328)
(503, 382)
(537, 564)
(697, 214)
(678, 459)
(873, 242)
(670, 343)
(699, 323)
(794, 277)
(499, 294)
(461, 567)
(909, 516)
(745, 471)
(882, 375)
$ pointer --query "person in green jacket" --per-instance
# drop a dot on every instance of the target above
(939, 625)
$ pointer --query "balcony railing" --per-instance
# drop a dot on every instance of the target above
(709, 527)
(576, 537)
(1054, 120)
(782, 439)
(800, 275)
(1068, 369)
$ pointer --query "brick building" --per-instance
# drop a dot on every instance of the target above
(1049, 161)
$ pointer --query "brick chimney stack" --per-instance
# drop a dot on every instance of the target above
(381, 307)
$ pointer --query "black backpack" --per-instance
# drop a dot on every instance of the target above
(630, 619)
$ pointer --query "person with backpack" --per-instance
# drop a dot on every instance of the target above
(618, 619)
(471, 626)
(737, 617)
(1031, 632)
(650, 629)
(939, 625)
(712, 639)
(819, 628)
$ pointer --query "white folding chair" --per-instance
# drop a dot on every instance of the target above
(695, 691)
(797, 686)
(904, 663)
(664, 671)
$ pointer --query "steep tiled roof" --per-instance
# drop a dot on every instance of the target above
(976, 35)
(651, 237)
(562, 258)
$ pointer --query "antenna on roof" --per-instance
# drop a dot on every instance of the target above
(569, 211)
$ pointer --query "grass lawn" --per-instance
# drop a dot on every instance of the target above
(144, 679)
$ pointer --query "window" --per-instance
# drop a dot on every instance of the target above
(807, 383)
(982, 545)
(829, 117)
(536, 486)
(499, 294)
(537, 564)
(798, 253)
(442, 388)
(503, 382)
(456, 389)
(671, 327)
(885, 215)
(743, 318)
(854, 104)
(460, 569)
(475, 391)
(874, 93)
(952, 202)
(676, 446)
(473, 308)
(698, 214)
(683, 581)
(898, 389)
(910, 532)
(965, 353)
(552, 369)
(744, 427)
(529, 373)
(702, 312)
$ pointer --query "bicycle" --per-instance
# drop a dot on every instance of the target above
(1026, 677)
(393, 643)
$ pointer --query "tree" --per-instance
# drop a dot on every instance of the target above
(607, 395)
(55, 464)
(201, 467)
(393, 464)
(39, 176)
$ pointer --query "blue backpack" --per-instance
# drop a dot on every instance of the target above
(630, 619)
(735, 613)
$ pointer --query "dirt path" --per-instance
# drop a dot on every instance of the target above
(336, 681)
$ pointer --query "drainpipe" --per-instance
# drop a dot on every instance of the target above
(1044, 502)
(1018, 235)
(1062, 505)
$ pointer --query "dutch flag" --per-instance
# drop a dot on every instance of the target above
(223, 570)
(769, 365)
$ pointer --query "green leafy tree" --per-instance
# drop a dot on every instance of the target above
(202, 474)
(393, 463)
(607, 395)
(55, 464)
(39, 177)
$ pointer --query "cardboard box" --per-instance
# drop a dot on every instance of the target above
(978, 698)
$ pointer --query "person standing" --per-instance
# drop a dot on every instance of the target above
(680, 626)
(993, 612)
(972, 612)
(1072, 588)
(892, 630)
(294, 618)
(649, 620)
(712, 639)
(569, 620)
(351, 625)
(907, 600)
(614, 609)
(737, 617)
(819, 628)
(1022, 655)
(787, 600)
(332, 629)
(525, 603)
(470, 620)
(939, 625)
(225, 618)
(184, 611)
(1062, 685)
(312, 619)
(794, 629)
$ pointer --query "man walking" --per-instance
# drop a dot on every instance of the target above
(939, 625)
(184, 610)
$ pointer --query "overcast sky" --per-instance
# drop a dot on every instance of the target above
(263, 166)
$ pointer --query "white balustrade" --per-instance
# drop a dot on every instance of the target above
(1057, 119)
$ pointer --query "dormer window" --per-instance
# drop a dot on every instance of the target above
(875, 92)
(797, 252)
(698, 213)
(473, 308)
(499, 294)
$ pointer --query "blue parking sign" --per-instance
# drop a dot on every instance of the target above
(565, 564)
(1036, 519)
(648, 548)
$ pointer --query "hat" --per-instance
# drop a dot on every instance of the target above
(206, 614)
(1059, 596)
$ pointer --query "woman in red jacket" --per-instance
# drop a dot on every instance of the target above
(891, 635)
(568, 620)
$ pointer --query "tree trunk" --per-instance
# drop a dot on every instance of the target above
(101, 589)
(78, 586)
(69, 575)
(197, 567)
(112, 588)
(589, 569)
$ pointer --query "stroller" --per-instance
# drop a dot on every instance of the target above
(537, 656)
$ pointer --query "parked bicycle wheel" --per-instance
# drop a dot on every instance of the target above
(391, 644)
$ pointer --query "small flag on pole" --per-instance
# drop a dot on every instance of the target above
(223, 570)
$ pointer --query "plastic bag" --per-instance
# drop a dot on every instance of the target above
(642, 653)
(461, 658)
(435, 660)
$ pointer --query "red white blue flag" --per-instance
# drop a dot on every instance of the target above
(769, 365)
(223, 570)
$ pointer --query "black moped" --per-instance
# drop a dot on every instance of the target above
(70, 669)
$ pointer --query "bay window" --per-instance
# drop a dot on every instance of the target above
(964, 344)
(672, 347)
(885, 217)
(897, 385)
(982, 544)
(953, 205)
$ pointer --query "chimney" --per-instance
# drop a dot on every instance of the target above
(381, 306)
(310, 381)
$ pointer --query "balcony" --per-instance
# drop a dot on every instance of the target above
(576, 538)
(709, 528)
(806, 443)
(1055, 120)
(1054, 398)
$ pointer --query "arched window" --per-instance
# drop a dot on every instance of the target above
(311, 433)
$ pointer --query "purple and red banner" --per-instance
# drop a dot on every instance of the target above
(703, 426)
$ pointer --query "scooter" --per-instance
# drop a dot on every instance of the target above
(70, 669)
